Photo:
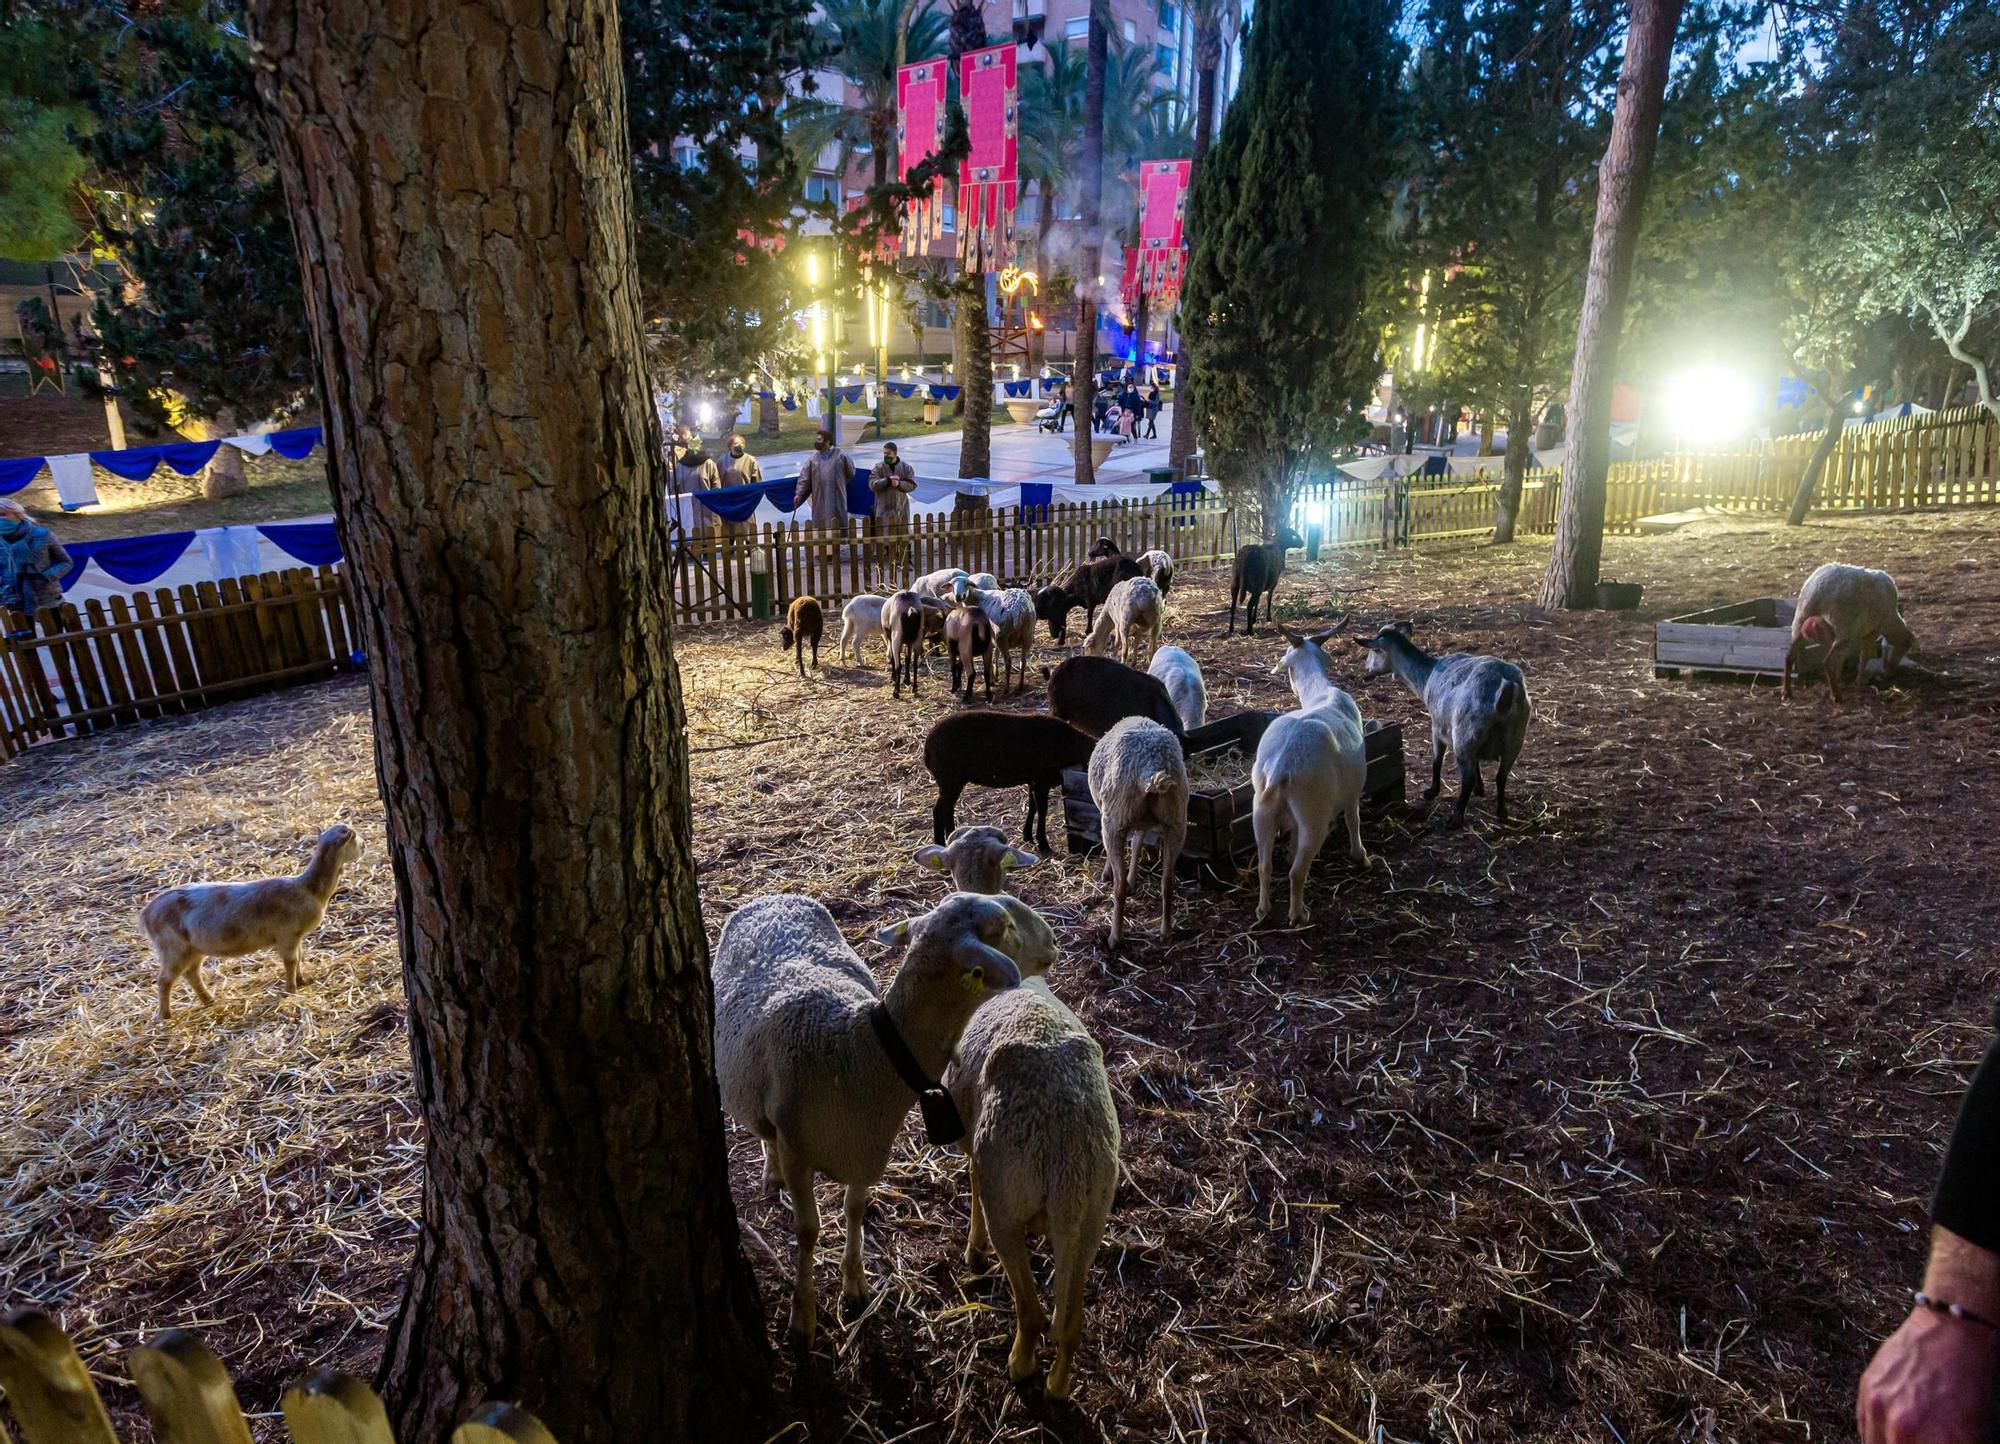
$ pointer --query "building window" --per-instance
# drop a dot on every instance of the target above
(1163, 60)
(687, 155)
(823, 188)
(1131, 33)
(1170, 18)
(1077, 28)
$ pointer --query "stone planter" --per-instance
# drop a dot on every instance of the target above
(854, 427)
(1023, 412)
(1100, 450)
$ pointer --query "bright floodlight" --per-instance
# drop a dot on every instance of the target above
(1709, 404)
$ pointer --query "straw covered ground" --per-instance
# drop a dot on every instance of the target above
(1613, 1124)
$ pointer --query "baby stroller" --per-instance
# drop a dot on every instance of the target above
(1049, 417)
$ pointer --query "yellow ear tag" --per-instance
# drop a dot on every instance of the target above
(972, 982)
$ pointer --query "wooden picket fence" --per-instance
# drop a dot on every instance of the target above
(121, 660)
(713, 570)
(190, 1399)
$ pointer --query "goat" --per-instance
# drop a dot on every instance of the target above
(804, 621)
(1095, 693)
(1001, 749)
(1478, 708)
(903, 626)
(1159, 567)
(1311, 766)
(1087, 587)
(1258, 567)
(978, 859)
(860, 619)
(1012, 613)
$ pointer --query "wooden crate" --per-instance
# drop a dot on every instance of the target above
(1220, 836)
(1744, 639)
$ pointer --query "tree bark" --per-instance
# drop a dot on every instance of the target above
(975, 380)
(1507, 505)
(1097, 60)
(1622, 180)
(1208, 58)
(459, 187)
(1836, 422)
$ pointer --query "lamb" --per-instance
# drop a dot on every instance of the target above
(1478, 707)
(968, 636)
(800, 1050)
(1094, 693)
(1001, 749)
(1180, 674)
(1310, 767)
(1042, 1156)
(1104, 546)
(1139, 781)
(1159, 567)
(978, 859)
(974, 581)
(903, 627)
(860, 619)
(805, 621)
(229, 919)
(1850, 611)
(1012, 613)
(1087, 587)
(1257, 570)
(1130, 621)
(938, 583)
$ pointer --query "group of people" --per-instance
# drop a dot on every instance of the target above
(1120, 408)
(823, 477)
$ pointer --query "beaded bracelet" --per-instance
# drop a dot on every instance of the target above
(1957, 1311)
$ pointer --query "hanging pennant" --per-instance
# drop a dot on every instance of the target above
(1128, 279)
(920, 106)
(989, 177)
(1163, 194)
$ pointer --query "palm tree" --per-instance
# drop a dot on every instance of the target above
(972, 335)
(1207, 16)
(1090, 177)
(869, 38)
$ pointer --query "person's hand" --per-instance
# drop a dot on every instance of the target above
(1931, 1382)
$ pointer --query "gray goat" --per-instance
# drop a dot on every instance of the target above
(1478, 707)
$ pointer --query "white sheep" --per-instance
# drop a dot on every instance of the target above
(978, 859)
(1159, 566)
(1129, 623)
(1012, 613)
(1850, 611)
(229, 919)
(1042, 1155)
(860, 619)
(1311, 766)
(1181, 675)
(802, 1065)
(1138, 779)
(940, 583)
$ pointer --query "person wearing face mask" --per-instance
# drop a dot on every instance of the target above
(823, 482)
(695, 471)
(32, 563)
(740, 468)
(892, 480)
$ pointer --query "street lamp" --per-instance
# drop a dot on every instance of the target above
(821, 359)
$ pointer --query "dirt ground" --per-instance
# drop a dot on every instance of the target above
(1612, 1124)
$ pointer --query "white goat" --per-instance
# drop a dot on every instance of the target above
(860, 619)
(228, 919)
(1138, 779)
(1129, 622)
(940, 583)
(1012, 613)
(1181, 675)
(1310, 768)
(1159, 566)
(801, 1062)
(978, 859)
(1478, 707)
(1850, 611)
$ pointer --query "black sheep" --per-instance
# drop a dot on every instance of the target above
(1087, 587)
(1001, 749)
(1096, 693)
(1258, 567)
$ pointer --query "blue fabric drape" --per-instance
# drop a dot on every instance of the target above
(1436, 466)
(1036, 494)
(133, 560)
(737, 503)
(297, 442)
(189, 457)
(790, 403)
(18, 472)
(312, 542)
(944, 393)
(1018, 388)
(904, 389)
(767, 396)
(847, 395)
(135, 463)
(1185, 489)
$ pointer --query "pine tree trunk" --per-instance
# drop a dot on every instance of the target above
(1572, 576)
(1507, 506)
(1097, 59)
(1180, 431)
(496, 474)
(1829, 438)
(224, 476)
(768, 420)
(975, 441)
(1140, 321)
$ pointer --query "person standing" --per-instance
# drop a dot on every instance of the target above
(823, 480)
(1065, 406)
(32, 565)
(892, 480)
(695, 471)
(739, 468)
(1932, 1381)
(1153, 412)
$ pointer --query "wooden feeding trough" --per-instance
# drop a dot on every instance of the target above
(1219, 834)
(1745, 639)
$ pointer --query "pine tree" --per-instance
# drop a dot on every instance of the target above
(1287, 215)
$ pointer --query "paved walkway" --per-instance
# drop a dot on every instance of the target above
(1019, 453)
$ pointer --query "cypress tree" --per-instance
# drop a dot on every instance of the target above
(1288, 217)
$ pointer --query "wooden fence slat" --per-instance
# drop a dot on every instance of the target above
(87, 691)
(187, 1392)
(332, 1408)
(222, 662)
(501, 1424)
(47, 1387)
(132, 654)
(110, 667)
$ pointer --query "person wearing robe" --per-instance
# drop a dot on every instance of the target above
(823, 482)
(892, 480)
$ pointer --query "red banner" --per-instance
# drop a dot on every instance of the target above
(1128, 280)
(920, 108)
(1163, 190)
(989, 178)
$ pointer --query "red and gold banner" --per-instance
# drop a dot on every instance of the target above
(1128, 280)
(920, 110)
(1163, 192)
(989, 182)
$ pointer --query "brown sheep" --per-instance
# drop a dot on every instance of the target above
(804, 622)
